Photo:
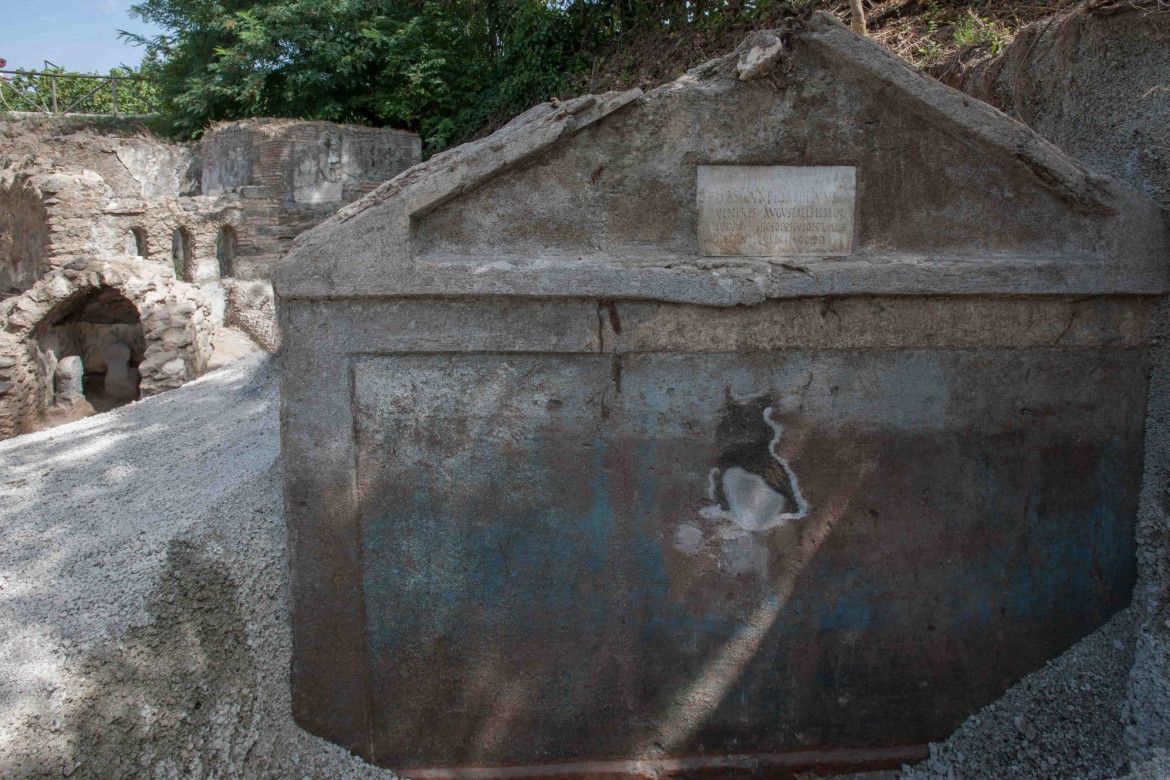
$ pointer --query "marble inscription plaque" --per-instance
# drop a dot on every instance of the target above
(776, 210)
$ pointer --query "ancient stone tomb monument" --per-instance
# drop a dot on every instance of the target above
(778, 418)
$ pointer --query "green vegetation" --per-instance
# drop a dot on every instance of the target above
(444, 69)
(452, 69)
(965, 28)
(81, 96)
(973, 30)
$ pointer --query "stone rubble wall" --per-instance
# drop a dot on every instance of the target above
(202, 217)
(271, 228)
(269, 180)
(308, 162)
(162, 170)
(175, 317)
(95, 188)
(252, 308)
(69, 195)
(24, 232)
(73, 214)
(293, 175)
(74, 202)
(24, 394)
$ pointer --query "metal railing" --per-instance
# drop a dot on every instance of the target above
(56, 92)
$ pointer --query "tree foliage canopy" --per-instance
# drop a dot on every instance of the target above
(443, 68)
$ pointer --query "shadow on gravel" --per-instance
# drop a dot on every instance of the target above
(80, 496)
(160, 693)
(123, 650)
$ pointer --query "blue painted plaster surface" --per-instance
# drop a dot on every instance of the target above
(519, 534)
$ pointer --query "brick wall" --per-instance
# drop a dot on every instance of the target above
(298, 174)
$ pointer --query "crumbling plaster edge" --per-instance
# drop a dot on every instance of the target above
(735, 286)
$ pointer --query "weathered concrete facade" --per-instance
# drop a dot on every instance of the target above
(569, 481)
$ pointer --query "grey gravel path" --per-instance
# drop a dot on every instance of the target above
(1064, 721)
(143, 621)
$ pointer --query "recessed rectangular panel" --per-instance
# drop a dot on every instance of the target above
(595, 557)
(776, 210)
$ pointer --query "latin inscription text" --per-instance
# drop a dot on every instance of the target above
(775, 211)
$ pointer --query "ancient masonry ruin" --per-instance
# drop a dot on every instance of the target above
(112, 246)
(289, 176)
(777, 419)
(131, 331)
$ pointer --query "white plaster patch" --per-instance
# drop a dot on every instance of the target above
(688, 539)
(751, 501)
(752, 504)
(746, 554)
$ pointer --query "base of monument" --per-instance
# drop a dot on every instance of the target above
(762, 765)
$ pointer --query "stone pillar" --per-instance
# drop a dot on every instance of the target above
(69, 401)
(67, 380)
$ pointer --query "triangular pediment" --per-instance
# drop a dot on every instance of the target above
(809, 162)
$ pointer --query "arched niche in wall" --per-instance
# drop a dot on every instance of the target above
(103, 327)
(225, 251)
(182, 253)
(136, 242)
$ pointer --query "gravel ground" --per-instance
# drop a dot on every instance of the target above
(143, 621)
(1063, 721)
